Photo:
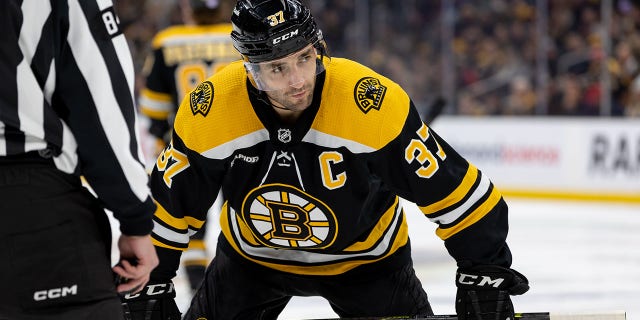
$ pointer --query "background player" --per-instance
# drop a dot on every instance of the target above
(312, 154)
(183, 56)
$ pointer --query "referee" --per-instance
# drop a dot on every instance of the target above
(67, 110)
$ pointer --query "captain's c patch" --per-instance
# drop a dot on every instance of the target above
(369, 93)
(200, 98)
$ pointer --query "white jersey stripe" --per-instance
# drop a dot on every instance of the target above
(329, 141)
(226, 150)
(167, 234)
(478, 193)
(155, 105)
(286, 256)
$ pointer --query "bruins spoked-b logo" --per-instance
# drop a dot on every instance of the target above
(369, 93)
(282, 216)
(200, 98)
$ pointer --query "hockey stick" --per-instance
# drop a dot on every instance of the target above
(435, 109)
(619, 315)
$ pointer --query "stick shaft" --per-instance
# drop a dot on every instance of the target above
(519, 316)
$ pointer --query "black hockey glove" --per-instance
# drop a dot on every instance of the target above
(483, 292)
(154, 302)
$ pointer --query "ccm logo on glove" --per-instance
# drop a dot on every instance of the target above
(470, 279)
(152, 290)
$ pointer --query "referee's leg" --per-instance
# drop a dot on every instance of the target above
(54, 247)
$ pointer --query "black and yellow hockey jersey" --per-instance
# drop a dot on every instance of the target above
(183, 56)
(319, 197)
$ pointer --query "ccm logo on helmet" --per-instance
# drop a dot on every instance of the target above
(482, 281)
(55, 293)
(289, 35)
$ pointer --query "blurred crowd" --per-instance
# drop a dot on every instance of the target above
(484, 57)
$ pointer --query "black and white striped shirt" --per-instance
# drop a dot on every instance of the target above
(67, 90)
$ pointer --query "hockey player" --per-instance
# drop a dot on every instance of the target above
(312, 154)
(183, 56)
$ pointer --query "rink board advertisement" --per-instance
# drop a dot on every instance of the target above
(582, 158)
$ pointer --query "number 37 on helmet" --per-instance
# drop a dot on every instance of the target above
(265, 32)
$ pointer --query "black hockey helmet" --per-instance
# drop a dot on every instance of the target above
(265, 30)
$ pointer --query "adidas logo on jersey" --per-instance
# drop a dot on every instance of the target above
(244, 158)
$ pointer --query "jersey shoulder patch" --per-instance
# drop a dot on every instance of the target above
(367, 107)
(200, 98)
(218, 111)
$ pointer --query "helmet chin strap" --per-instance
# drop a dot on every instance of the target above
(263, 96)
(279, 107)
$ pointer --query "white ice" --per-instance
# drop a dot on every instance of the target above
(580, 257)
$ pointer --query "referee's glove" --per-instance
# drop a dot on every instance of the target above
(154, 302)
(484, 292)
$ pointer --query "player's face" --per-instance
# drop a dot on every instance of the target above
(291, 79)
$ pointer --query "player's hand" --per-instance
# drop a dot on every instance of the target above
(138, 258)
(484, 292)
(154, 302)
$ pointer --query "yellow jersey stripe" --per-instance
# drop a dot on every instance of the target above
(177, 223)
(167, 218)
(324, 263)
(325, 269)
(472, 218)
(479, 193)
(193, 222)
(197, 244)
(377, 231)
(222, 30)
(457, 195)
(157, 243)
(157, 96)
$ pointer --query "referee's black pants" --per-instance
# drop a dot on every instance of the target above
(55, 247)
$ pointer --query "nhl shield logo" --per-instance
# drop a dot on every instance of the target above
(284, 135)
(201, 98)
(369, 93)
